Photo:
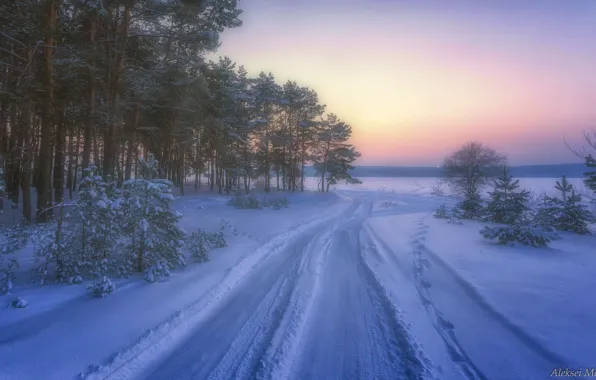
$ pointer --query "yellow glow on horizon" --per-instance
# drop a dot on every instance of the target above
(407, 96)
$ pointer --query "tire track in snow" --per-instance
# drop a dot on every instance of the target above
(354, 332)
(289, 335)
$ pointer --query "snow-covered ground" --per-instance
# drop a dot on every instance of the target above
(362, 283)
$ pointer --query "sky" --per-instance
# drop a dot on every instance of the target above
(416, 79)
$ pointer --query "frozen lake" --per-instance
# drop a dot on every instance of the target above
(417, 185)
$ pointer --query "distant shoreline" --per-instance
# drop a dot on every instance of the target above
(523, 171)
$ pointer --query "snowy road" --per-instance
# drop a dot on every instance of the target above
(315, 300)
(319, 306)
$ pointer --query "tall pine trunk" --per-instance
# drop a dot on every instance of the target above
(59, 163)
(44, 191)
(90, 122)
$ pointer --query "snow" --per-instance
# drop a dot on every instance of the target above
(360, 283)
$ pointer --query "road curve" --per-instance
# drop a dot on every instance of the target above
(312, 311)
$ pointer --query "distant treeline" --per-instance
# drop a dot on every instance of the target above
(527, 171)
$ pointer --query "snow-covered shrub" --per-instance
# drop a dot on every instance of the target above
(388, 204)
(452, 215)
(566, 214)
(441, 212)
(199, 245)
(53, 248)
(200, 242)
(437, 189)
(506, 205)
(277, 203)
(153, 237)
(7, 274)
(535, 236)
(15, 237)
(157, 271)
(471, 207)
(98, 223)
(19, 303)
(82, 241)
(148, 167)
(102, 287)
(226, 226)
(245, 202)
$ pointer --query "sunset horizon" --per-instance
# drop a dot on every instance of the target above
(415, 81)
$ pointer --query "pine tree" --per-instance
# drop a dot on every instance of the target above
(590, 179)
(102, 287)
(575, 216)
(564, 187)
(534, 236)
(151, 227)
(97, 216)
(199, 246)
(506, 205)
(333, 155)
(471, 206)
(566, 214)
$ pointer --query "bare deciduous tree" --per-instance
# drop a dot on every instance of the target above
(471, 166)
(585, 154)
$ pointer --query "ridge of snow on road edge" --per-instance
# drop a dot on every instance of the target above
(130, 362)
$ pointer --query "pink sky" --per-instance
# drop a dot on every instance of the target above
(416, 81)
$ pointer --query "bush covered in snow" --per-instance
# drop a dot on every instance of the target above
(199, 245)
(19, 303)
(452, 215)
(242, 201)
(200, 242)
(437, 189)
(102, 287)
(276, 203)
(15, 238)
(7, 274)
(112, 231)
(535, 236)
(157, 271)
(471, 207)
(441, 212)
(250, 201)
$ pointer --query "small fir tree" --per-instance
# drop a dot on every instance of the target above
(199, 245)
(471, 206)
(441, 212)
(96, 214)
(534, 236)
(575, 216)
(151, 227)
(564, 187)
(7, 274)
(102, 287)
(506, 204)
(566, 214)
